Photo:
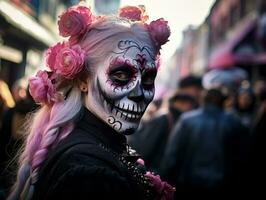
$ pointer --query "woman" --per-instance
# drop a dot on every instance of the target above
(100, 82)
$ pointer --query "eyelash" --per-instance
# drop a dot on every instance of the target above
(127, 86)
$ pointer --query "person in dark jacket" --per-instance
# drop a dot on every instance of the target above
(100, 82)
(11, 138)
(205, 154)
(151, 138)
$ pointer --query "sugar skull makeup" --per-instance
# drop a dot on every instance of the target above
(123, 86)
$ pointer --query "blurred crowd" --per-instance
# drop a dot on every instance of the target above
(207, 141)
(15, 104)
(203, 141)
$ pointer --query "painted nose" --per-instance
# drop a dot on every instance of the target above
(136, 94)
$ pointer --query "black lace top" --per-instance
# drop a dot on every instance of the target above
(93, 162)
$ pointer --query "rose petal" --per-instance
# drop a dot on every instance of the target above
(41, 88)
(159, 31)
(70, 61)
(75, 21)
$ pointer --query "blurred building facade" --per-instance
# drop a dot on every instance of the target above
(233, 34)
(27, 28)
(104, 7)
(194, 50)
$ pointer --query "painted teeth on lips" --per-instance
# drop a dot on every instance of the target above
(127, 115)
(130, 111)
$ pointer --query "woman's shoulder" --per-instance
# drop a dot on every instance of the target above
(75, 163)
(82, 173)
(81, 182)
(77, 150)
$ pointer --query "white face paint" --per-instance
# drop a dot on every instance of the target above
(123, 86)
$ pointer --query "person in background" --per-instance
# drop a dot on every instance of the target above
(11, 137)
(245, 106)
(6, 99)
(257, 162)
(19, 89)
(259, 86)
(192, 86)
(150, 139)
(205, 153)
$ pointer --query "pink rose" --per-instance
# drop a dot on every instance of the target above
(167, 192)
(69, 61)
(74, 40)
(41, 88)
(159, 31)
(155, 181)
(74, 21)
(133, 13)
(51, 53)
(141, 161)
(163, 189)
(85, 12)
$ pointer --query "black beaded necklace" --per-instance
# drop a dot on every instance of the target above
(137, 171)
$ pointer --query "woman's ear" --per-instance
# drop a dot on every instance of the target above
(83, 81)
(83, 84)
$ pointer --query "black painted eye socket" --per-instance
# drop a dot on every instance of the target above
(148, 79)
(121, 75)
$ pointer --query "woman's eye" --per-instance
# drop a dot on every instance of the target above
(148, 80)
(148, 83)
(120, 77)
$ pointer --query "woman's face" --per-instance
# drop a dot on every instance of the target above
(123, 85)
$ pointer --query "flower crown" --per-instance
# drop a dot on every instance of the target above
(66, 59)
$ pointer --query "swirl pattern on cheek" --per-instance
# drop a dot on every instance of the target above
(114, 123)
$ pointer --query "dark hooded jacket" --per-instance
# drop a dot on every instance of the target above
(206, 153)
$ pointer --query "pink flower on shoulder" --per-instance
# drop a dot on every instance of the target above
(141, 161)
(70, 61)
(51, 53)
(74, 21)
(133, 13)
(163, 189)
(41, 88)
(159, 31)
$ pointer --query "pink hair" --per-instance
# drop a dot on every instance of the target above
(45, 133)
